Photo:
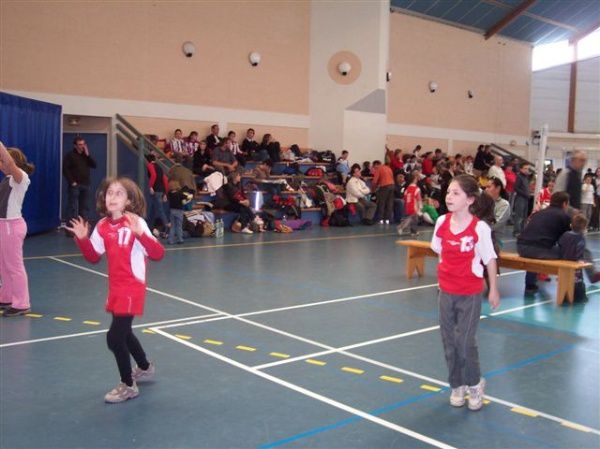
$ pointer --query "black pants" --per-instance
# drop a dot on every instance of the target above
(123, 343)
(245, 213)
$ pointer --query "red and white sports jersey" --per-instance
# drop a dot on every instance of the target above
(126, 254)
(412, 195)
(460, 271)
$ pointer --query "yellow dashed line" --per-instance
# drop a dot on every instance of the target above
(430, 388)
(183, 337)
(62, 318)
(352, 370)
(524, 411)
(213, 342)
(280, 355)
(245, 348)
(391, 379)
(574, 426)
(92, 323)
(34, 315)
(315, 362)
(148, 331)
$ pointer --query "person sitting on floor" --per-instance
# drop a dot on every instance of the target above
(231, 197)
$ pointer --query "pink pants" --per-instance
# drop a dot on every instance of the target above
(14, 288)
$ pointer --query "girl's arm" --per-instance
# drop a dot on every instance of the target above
(139, 227)
(8, 165)
(493, 295)
(80, 228)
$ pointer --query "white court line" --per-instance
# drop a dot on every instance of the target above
(310, 394)
(83, 334)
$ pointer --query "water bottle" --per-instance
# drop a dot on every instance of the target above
(219, 228)
(284, 219)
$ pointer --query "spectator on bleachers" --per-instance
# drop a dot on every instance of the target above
(357, 193)
(158, 184)
(183, 175)
(231, 197)
(468, 165)
(366, 171)
(296, 151)
(271, 147)
(521, 206)
(213, 140)
(496, 171)
(249, 145)
(202, 163)
(383, 185)
(236, 150)
(480, 165)
(445, 180)
(223, 159)
(396, 163)
(495, 189)
(438, 156)
(429, 211)
(262, 171)
(510, 174)
(416, 150)
(342, 167)
(287, 155)
(427, 163)
(177, 144)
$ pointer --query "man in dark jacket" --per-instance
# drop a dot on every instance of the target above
(76, 169)
(521, 204)
(569, 179)
(540, 236)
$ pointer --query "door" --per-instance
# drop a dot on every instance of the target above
(98, 145)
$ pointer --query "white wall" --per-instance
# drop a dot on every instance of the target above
(550, 97)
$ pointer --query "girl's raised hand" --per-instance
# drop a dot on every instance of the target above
(134, 223)
(79, 227)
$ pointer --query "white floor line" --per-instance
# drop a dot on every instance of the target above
(99, 331)
(311, 394)
(514, 309)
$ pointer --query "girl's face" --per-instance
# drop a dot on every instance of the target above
(587, 180)
(456, 198)
(550, 186)
(116, 200)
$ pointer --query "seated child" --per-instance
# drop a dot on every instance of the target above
(572, 247)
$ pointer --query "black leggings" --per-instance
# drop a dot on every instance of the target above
(123, 343)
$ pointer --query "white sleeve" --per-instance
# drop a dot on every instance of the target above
(484, 247)
(436, 242)
(23, 185)
(97, 241)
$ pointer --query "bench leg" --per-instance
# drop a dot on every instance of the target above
(414, 262)
(566, 285)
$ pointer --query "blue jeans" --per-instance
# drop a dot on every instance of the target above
(176, 231)
(520, 210)
(156, 209)
(77, 202)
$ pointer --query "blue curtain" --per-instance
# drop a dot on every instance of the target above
(34, 127)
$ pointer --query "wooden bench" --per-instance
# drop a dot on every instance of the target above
(417, 250)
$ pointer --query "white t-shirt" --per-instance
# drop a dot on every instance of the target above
(12, 195)
(587, 194)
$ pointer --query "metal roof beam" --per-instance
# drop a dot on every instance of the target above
(509, 18)
(583, 33)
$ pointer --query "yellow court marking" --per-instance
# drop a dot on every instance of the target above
(352, 370)
(430, 388)
(148, 331)
(391, 379)
(183, 337)
(245, 348)
(62, 318)
(34, 315)
(280, 355)
(524, 411)
(574, 426)
(315, 362)
(92, 323)
(213, 342)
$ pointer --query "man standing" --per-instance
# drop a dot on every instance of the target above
(569, 179)
(383, 184)
(76, 169)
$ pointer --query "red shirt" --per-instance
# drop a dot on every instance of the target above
(427, 166)
(412, 195)
(460, 271)
(126, 255)
(511, 178)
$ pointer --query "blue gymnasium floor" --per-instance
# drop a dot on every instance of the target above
(307, 340)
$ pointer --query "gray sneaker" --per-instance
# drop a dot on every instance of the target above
(122, 393)
(140, 375)
(457, 397)
(476, 395)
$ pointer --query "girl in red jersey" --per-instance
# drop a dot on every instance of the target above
(464, 244)
(126, 239)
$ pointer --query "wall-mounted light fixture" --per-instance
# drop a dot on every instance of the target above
(470, 93)
(388, 76)
(254, 58)
(188, 49)
(344, 68)
(433, 86)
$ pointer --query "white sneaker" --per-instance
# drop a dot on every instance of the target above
(457, 397)
(247, 231)
(476, 395)
(381, 222)
(140, 375)
(387, 221)
(122, 393)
